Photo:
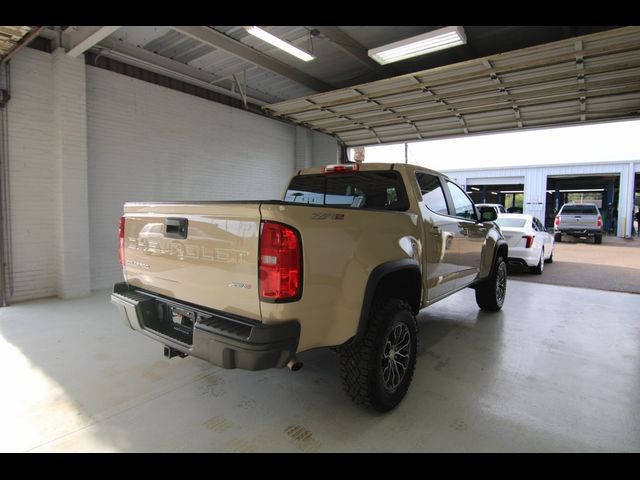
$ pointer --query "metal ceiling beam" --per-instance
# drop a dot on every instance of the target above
(26, 40)
(441, 112)
(78, 40)
(355, 50)
(152, 61)
(228, 44)
(539, 120)
(504, 90)
(518, 66)
(622, 69)
(430, 114)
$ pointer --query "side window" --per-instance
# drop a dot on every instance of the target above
(432, 193)
(463, 206)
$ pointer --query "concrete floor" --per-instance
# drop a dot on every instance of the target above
(613, 265)
(557, 370)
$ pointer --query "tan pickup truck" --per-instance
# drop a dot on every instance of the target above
(345, 260)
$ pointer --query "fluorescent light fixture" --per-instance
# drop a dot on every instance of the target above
(440, 39)
(475, 188)
(281, 44)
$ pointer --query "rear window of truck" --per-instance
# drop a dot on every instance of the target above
(367, 190)
(579, 210)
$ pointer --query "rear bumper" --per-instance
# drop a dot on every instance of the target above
(523, 256)
(579, 232)
(224, 340)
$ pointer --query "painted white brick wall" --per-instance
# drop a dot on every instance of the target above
(143, 142)
(303, 146)
(147, 142)
(314, 148)
(70, 126)
(32, 171)
(324, 149)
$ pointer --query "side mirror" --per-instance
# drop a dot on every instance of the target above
(487, 214)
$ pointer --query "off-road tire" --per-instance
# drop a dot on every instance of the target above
(365, 364)
(558, 237)
(538, 269)
(490, 293)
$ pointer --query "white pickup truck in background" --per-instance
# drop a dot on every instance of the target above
(580, 220)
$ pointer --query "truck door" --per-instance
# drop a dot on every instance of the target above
(470, 235)
(438, 258)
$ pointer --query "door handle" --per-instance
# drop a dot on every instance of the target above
(176, 227)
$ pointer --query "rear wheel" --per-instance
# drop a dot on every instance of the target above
(538, 269)
(377, 369)
(550, 259)
(558, 237)
(490, 293)
(597, 239)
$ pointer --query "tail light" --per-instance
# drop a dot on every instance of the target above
(121, 240)
(599, 221)
(529, 240)
(557, 222)
(280, 263)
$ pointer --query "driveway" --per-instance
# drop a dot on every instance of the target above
(614, 265)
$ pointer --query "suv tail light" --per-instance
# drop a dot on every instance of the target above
(280, 263)
(529, 240)
(121, 240)
(557, 222)
(599, 222)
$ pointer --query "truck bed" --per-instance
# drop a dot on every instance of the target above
(213, 263)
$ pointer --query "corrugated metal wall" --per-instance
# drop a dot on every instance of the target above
(535, 184)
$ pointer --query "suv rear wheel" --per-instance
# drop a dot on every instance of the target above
(597, 239)
(377, 369)
(490, 293)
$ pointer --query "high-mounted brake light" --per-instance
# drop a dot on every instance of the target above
(121, 240)
(529, 240)
(280, 263)
(599, 221)
(342, 168)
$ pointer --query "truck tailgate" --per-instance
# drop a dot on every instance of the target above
(578, 221)
(205, 253)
